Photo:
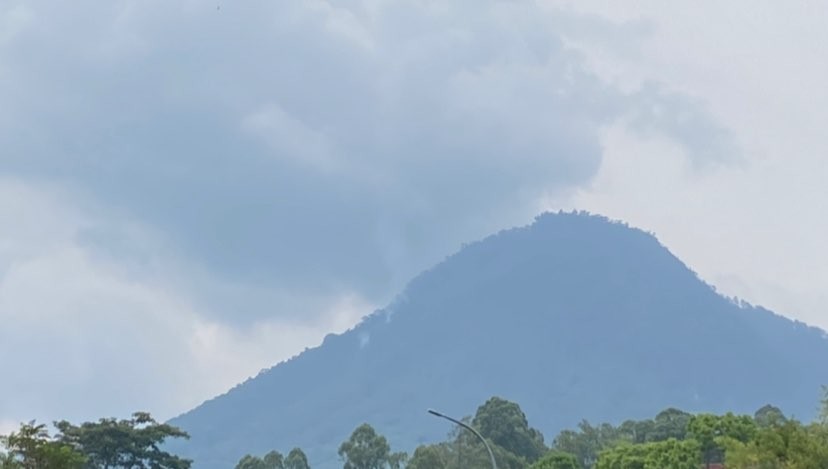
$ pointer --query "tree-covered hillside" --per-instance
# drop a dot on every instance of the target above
(573, 316)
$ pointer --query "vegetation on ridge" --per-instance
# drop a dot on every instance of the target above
(672, 439)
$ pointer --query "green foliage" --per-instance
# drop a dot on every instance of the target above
(636, 431)
(505, 424)
(670, 423)
(589, 441)
(708, 430)
(784, 445)
(32, 448)
(272, 460)
(296, 459)
(464, 451)
(366, 449)
(428, 457)
(670, 453)
(250, 462)
(132, 443)
(768, 416)
(556, 460)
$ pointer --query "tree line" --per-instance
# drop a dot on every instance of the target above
(672, 439)
(133, 443)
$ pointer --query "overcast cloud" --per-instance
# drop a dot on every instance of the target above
(193, 191)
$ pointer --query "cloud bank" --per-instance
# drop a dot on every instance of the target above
(195, 192)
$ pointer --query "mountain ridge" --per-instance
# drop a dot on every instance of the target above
(509, 315)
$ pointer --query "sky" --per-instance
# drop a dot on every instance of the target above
(193, 191)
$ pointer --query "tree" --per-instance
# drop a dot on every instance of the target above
(556, 460)
(506, 425)
(670, 423)
(274, 460)
(637, 431)
(670, 453)
(250, 462)
(709, 430)
(366, 449)
(296, 459)
(132, 443)
(428, 457)
(32, 448)
(768, 416)
(786, 445)
(588, 442)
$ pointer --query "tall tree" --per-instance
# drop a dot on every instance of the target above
(296, 459)
(670, 453)
(366, 449)
(670, 423)
(32, 448)
(131, 443)
(589, 441)
(274, 460)
(709, 430)
(785, 445)
(506, 425)
(768, 416)
(250, 462)
(556, 460)
(428, 457)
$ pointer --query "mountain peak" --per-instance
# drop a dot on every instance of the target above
(574, 316)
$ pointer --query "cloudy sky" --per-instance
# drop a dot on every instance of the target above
(192, 191)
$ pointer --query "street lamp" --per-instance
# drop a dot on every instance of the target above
(469, 428)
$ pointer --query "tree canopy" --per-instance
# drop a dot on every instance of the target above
(366, 449)
(108, 443)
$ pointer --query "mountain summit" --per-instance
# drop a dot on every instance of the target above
(573, 317)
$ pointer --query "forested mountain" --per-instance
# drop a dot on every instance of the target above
(573, 316)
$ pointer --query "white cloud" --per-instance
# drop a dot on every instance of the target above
(14, 18)
(752, 229)
(200, 192)
(91, 338)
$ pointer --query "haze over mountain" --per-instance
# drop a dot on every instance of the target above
(573, 317)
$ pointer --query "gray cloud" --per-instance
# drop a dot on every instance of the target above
(281, 156)
(306, 144)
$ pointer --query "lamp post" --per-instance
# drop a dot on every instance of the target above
(469, 428)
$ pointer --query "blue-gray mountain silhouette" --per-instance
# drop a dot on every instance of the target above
(572, 317)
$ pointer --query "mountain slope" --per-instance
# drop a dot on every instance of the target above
(572, 317)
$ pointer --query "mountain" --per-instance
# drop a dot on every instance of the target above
(572, 317)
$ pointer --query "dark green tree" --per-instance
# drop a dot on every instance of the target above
(250, 462)
(588, 442)
(428, 457)
(296, 459)
(784, 445)
(274, 460)
(32, 448)
(637, 431)
(505, 424)
(670, 453)
(557, 460)
(709, 430)
(768, 416)
(132, 443)
(669, 423)
(366, 449)
(467, 451)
